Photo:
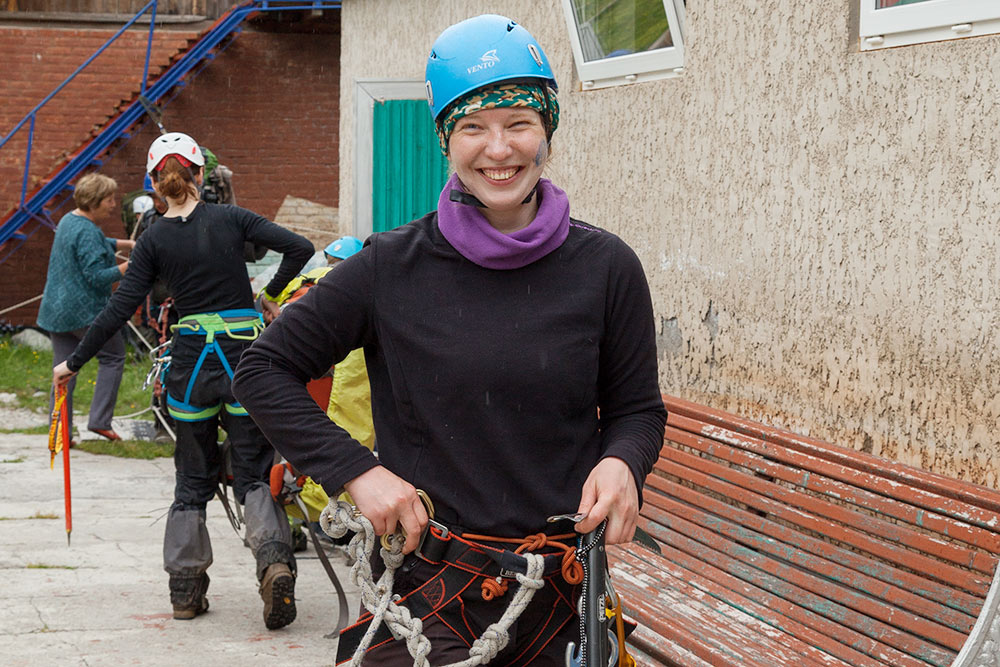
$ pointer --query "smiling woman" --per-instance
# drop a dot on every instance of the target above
(512, 358)
(498, 155)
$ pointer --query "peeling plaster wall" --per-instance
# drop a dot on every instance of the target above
(817, 224)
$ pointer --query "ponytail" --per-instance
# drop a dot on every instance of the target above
(175, 180)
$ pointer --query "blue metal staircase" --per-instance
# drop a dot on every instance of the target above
(31, 214)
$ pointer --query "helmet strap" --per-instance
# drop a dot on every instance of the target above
(465, 198)
(471, 200)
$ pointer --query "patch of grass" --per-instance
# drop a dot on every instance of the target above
(129, 449)
(44, 566)
(19, 459)
(41, 429)
(27, 374)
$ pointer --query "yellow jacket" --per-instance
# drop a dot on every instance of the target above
(350, 404)
(350, 399)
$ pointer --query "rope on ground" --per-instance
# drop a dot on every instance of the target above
(339, 517)
(134, 414)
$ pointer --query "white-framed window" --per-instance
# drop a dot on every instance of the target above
(617, 42)
(886, 23)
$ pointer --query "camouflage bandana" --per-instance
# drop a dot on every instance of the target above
(540, 98)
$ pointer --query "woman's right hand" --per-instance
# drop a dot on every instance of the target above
(123, 267)
(388, 500)
(61, 375)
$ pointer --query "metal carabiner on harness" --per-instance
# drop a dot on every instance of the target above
(429, 506)
(599, 643)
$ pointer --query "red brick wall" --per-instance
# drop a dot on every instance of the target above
(36, 60)
(268, 107)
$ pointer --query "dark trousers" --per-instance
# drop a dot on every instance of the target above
(111, 363)
(198, 459)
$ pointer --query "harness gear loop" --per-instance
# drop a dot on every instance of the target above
(572, 569)
(339, 517)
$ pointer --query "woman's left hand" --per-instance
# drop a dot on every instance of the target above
(610, 492)
(269, 309)
(61, 375)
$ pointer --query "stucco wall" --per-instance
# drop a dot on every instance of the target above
(817, 224)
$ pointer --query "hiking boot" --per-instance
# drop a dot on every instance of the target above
(187, 595)
(277, 589)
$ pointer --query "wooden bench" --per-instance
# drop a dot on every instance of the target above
(783, 550)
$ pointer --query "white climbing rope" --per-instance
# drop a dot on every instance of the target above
(377, 597)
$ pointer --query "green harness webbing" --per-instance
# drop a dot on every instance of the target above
(239, 324)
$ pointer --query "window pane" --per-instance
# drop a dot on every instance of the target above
(882, 4)
(610, 28)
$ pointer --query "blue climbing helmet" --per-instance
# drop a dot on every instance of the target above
(343, 247)
(478, 52)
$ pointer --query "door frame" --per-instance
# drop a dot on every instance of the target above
(366, 93)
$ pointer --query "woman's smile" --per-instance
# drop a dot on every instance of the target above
(499, 174)
(495, 153)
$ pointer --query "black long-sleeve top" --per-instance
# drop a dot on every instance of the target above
(201, 259)
(486, 384)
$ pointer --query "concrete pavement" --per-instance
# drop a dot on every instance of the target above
(104, 600)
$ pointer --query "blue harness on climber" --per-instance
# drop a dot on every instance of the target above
(239, 324)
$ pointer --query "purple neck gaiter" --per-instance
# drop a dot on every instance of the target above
(472, 235)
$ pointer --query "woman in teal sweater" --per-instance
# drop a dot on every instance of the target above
(82, 269)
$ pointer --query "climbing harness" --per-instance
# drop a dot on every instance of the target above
(603, 627)
(464, 560)
(239, 324)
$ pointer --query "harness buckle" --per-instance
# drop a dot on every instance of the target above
(423, 537)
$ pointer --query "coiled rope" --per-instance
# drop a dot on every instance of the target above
(377, 597)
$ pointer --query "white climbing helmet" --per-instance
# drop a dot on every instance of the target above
(173, 143)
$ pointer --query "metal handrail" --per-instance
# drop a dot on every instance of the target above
(32, 208)
(30, 116)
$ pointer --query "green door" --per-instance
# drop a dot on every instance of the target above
(408, 169)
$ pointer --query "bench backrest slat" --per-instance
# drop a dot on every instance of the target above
(973, 494)
(917, 594)
(834, 612)
(924, 538)
(772, 559)
(884, 539)
(928, 510)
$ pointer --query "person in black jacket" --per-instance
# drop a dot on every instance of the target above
(197, 249)
(512, 358)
